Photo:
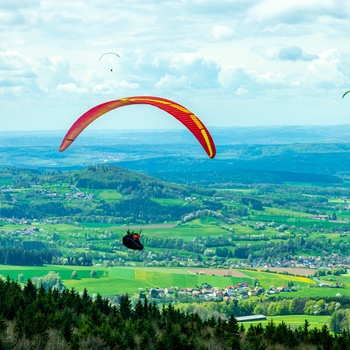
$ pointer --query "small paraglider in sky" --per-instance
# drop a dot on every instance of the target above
(345, 93)
(109, 60)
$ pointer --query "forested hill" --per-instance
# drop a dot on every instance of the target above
(126, 182)
(103, 193)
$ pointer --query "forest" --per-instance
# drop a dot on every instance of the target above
(36, 318)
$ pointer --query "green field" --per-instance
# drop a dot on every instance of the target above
(267, 279)
(116, 280)
(293, 321)
(169, 201)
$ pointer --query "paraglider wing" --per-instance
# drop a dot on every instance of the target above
(182, 114)
(109, 53)
(109, 60)
(345, 93)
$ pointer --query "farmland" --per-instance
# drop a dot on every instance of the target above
(119, 280)
(115, 280)
(257, 231)
(112, 281)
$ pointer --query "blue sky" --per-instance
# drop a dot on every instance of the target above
(232, 62)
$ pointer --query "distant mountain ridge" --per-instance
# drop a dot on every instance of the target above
(299, 149)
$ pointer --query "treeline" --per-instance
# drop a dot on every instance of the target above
(36, 318)
(292, 245)
(198, 245)
(269, 306)
(22, 257)
(242, 175)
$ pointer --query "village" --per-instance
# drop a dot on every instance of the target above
(206, 292)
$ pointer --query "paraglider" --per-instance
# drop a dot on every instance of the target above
(345, 93)
(132, 240)
(109, 60)
(182, 114)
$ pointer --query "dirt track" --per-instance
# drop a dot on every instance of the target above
(300, 271)
(139, 227)
(220, 272)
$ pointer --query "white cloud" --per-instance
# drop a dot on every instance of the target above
(237, 77)
(294, 53)
(328, 71)
(221, 32)
(284, 53)
(240, 80)
(202, 52)
(299, 11)
(71, 88)
(170, 82)
(18, 4)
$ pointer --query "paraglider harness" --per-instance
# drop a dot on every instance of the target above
(131, 240)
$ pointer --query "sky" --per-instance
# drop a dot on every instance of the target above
(233, 63)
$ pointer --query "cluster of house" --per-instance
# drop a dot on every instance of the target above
(320, 217)
(28, 222)
(74, 193)
(77, 194)
(206, 292)
(190, 199)
(277, 290)
(308, 262)
(27, 231)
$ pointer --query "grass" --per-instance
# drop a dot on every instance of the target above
(120, 279)
(322, 292)
(169, 201)
(267, 279)
(131, 278)
(276, 212)
(293, 320)
(108, 195)
(116, 280)
(38, 271)
(106, 285)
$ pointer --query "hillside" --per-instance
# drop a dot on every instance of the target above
(81, 216)
(97, 193)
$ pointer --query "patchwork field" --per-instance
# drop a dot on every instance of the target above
(119, 280)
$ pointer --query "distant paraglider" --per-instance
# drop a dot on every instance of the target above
(182, 114)
(109, 60)
(345, 93)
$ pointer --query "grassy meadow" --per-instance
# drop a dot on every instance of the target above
(293, 321)
(120, 280)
